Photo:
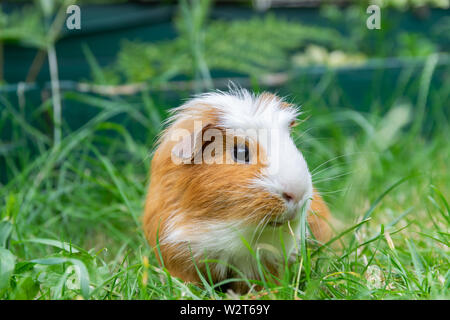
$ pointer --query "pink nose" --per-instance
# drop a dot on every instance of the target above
(289, 197)
(292, 196)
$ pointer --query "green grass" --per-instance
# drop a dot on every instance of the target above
(70, 216)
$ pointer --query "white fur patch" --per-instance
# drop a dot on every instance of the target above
(226, 242)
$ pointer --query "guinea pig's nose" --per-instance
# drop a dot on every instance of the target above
(289, 197)
(292, 197)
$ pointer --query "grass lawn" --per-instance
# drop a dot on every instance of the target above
(70, 214)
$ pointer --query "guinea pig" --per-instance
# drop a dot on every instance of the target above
(226, 175)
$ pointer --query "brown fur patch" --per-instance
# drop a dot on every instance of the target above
(319, 219)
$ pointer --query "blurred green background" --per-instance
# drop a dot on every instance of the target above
(80, 110)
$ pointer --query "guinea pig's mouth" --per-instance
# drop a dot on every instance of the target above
(277, 224)
(287, 216)
(288, 213)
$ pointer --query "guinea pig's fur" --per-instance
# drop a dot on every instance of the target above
(197, 211)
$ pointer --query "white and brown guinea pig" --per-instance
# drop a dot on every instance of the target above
(203, 201)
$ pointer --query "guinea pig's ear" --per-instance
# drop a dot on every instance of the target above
(189, 145)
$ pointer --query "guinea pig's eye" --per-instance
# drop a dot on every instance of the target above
(241, 153)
